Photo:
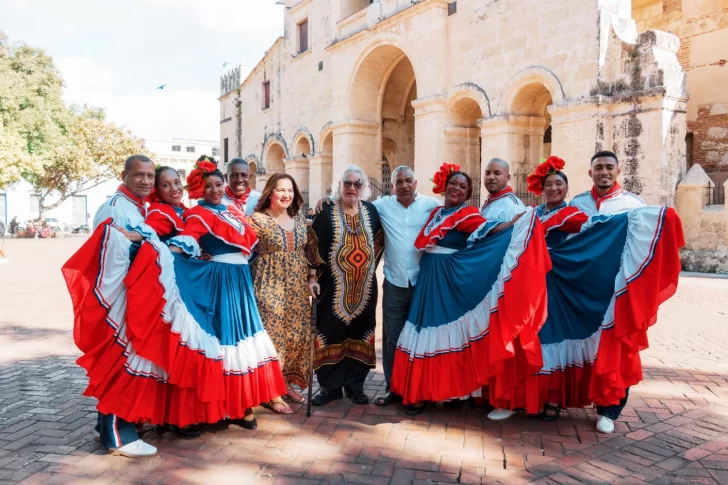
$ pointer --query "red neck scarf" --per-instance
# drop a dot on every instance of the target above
(123, 190)
(493, 197)
(239, 201)
(615, 191)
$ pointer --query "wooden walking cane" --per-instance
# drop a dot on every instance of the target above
(314, 314)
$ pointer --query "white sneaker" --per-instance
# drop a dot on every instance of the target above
(605, 425)
(135, 450)
(500, 414)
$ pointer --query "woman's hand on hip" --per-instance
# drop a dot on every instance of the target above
(314, 290)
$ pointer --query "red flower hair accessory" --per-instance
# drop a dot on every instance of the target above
(547, 167)
(441, 175)
(196, 179)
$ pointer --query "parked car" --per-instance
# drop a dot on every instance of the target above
(55, 224)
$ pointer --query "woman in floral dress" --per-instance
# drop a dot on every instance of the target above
(279, 277)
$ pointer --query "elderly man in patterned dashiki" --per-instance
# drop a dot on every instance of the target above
(345, 244)
(502, 205)
(238, 192)
(279, 277)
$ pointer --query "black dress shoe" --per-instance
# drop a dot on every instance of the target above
(389, 398)
(188, 432)
(415, 410)
(323, 398)
(360, 398)
(251, 425)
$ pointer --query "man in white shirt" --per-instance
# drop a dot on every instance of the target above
(606, 197)
(238, 192)
(127, 208)
(502, 205)
(402, 215)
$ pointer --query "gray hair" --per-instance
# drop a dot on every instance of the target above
(129, 163)
(402, 168)
(366, 192)
(236, 161)
(501, 162)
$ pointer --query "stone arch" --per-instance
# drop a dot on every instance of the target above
(534, 75)
(326, 139)
(273, 157)
(370, 76)
(274, 139)
(254, 166)
(380, 93)
(474, 92)
(463, 133)
(252, 158)
(303, 143)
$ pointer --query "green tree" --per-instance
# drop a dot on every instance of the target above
(60, 151)
(92, 153)
(33, 116)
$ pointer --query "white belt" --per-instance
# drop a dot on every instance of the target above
(440, 250)
(231, 258)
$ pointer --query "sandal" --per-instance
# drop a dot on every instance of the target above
(295, 396)
(389, 398)
(543, 416)
(279, 407)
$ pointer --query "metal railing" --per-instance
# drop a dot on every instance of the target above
(520, 188)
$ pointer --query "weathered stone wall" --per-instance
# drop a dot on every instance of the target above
(705, 226)
(702, 26)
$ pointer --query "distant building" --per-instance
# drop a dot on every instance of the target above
(181, 154)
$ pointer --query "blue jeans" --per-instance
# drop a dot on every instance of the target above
(612, 412)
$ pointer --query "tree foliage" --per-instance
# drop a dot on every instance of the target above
(59, 150)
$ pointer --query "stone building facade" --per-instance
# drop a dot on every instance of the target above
(382, 83)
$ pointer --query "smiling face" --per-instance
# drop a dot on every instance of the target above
(169, 187)
(238, 178)
(456, 190)
(282, 196)
(351, 188)
(140, 178)
(405, 185)
(555, 189)
(496, 177)
(214, 187)
(604, 172)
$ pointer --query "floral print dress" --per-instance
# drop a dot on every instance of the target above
(279, 277)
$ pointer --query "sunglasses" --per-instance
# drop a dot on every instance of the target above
(349, 184)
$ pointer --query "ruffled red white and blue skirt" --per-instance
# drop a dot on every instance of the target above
(476, 301)
(166, 339)
(604, 290)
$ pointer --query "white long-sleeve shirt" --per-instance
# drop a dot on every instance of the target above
(127, 210)
(401, 227)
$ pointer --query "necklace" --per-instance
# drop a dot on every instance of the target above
(348, 227)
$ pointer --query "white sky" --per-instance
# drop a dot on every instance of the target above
(113, 54)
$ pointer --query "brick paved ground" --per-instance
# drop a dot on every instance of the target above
(674, 430)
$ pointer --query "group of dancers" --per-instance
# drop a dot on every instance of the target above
(524, 308)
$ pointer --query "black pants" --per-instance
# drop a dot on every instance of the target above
(395, 309)
(349, 374)
(612, 412)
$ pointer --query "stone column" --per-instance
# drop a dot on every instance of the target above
(430, 139)
(463, 148)
(578, 130)
(355, 143)
(319, 176)
(516, 139)
(298, 168)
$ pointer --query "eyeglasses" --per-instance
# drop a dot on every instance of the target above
(349, 184)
